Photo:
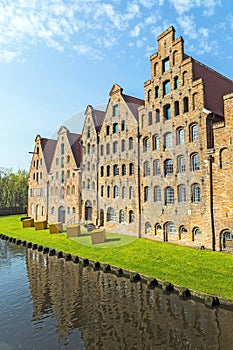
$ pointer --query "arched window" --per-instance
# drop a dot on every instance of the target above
(146, 144)
(111, 214)
(57, 161)
(108, 191)
(115, 110)
(149, 95)
(224, 158)
(194, 132)
(196, 193)
(122, 145)
(115, 128)
(196, 233)
(166, 64)
(156, 68)
(123, 170)
(88, 184)
(156, 142)
(146, 168)
(176, 83)
(108, 148)
(175, 57)
(102, 171)
(131, 192)
(176, 108)
(180, 136)
(88, 166)
(88, 148)
(93, 185)
(62, 177)
(157, 194)
(115, 192)
(167, 112)
(68, 174)
(157, 92)
(108, 170)
(186, 104)
(146, 194)
(88, 132)
(115, 146)
(68, 159)
(115, 170)
(168, 140)
(102, 191)
(156, 167)
(149, 118)
(157, 115)
(147, 227)
(62, 148)
(123, 192)
(169, 195)
(68, 190)
(195, 162)
(130, 143)
(121, 216)
(107, 130)
(62, 162)
(181, 164)
(142, 121)
(102, 150)
(171, 228)
(131, 216)
(166, 87)
(168, 166)
(62, 193)
(53, 211)
(181, 194)
(122, 125)
(131, 169)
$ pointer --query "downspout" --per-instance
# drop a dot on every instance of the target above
(139, 190)
(211, 159)
(97, 182)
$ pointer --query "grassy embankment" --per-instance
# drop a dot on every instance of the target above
(200, 270)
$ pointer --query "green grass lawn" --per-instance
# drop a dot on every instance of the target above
(200, 270)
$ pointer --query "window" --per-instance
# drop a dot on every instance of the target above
(123, 170)
(171, 228)
(115, 110)
(123, 192)
(157, 194)
(88, 132)
(142, 121)
(57, 161)
(102, 191)
(131, 192)
(102, 150)
(108, 148)
(130, 143)
(196, 233)
(107, 130)
(68, 159)
(180, 136)
(131, 169)
(62, 193)
(102, 171)
(68, 210)
(115, 192)
(88, 166)
(196, 193)
(88, 184)
(53, 211)
(131, 216)
(176, 108)
(166, 87)
(175, 57)
(62, 162)
(186, 104)
(108, 170)
(167, 112)
(68, 190)
(149, 118)
(168, 167)
(157, 115)
(176, 83)
(156, 167)
(156, 92)
(62, 177)
(166, 64)
(146, 168)
(115, 128)
(93, 185)
(181, 164)
(122, 125)
(146, 194)
(108, 191)
(156, 68)
(115, 146)
(181, 194)
(111, 214)
(169, 195)
(156, 142)
(88, 148)
(194, 133)
(195, 162)
(62, 149)
(115, 170)
(149, 95)
(122, 145)
(168, 140)
(68, 174)
(73, 210)
(121, 216)
(146, 144)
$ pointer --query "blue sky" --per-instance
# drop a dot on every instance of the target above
(58, 56)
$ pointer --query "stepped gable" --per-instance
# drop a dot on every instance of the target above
(48, 148)
(75, 143)
(133, 103)
(215, 84)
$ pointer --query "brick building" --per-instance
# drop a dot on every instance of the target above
(161, 167)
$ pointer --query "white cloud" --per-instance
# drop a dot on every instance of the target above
(208, 6)
(135, 31)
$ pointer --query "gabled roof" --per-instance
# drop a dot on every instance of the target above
(75, 144)
(133, 103)
(98, 119)
(215, 85)
(48, 148)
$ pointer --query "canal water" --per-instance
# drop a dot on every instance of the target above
(50, 303)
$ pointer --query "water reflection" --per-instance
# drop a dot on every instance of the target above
(113, 313)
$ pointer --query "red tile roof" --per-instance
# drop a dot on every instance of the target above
(48, 148)
(98, 119)
(133, 104)
(215, 86)
(75, 143)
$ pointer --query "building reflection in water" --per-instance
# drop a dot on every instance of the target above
(113, 313)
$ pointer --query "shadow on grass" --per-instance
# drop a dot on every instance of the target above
(112, 239)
